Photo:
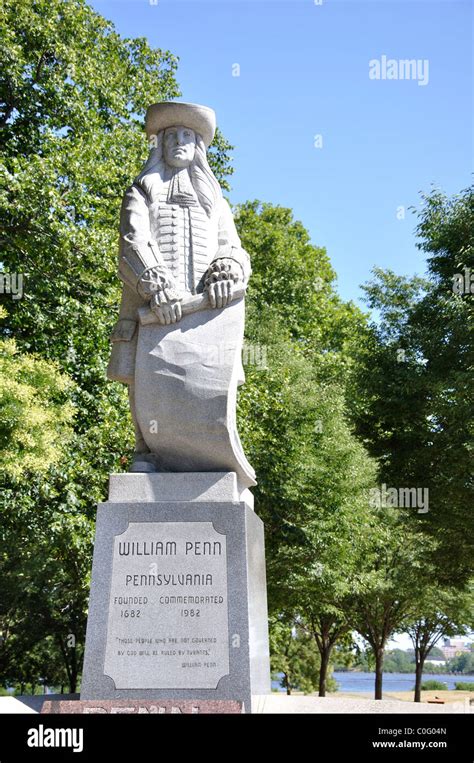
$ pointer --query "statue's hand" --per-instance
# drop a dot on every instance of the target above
(166, 307)
(221, 277)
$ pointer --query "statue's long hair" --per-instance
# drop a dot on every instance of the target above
(207, 188)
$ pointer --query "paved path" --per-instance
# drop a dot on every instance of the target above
(281, 704)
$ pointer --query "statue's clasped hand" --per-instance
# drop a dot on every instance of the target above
(166, 305)
(221, 278)
(158, 287)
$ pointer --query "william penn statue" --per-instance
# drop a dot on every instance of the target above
(178, 341)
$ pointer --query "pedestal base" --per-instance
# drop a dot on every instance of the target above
(178, 600)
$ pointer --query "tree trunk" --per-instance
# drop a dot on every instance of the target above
(73, 672)
(286, 684)
(378, 673)
(323, 670)
(70, 663)
(418, 678)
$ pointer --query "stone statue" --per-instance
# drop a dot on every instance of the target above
(178, 340)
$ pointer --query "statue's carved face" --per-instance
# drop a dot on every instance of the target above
(179, 145)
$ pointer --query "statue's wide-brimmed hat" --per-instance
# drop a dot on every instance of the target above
(201, 119)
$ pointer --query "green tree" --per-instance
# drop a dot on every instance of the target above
(313, 474)
(296, 335)
(398, 661)
(413, 381)
(437, 612)
(391, 566)
(293, 656)
(463, 663)
(35, 413)
(293, 280)
(317, 576)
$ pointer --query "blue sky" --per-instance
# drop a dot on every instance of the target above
(304, 72)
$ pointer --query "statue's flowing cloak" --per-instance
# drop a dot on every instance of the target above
(186, 388)
(184, 377)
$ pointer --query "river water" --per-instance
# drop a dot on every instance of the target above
(364, 682)
(354, 682)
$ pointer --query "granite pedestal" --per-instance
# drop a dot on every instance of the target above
(178, 607)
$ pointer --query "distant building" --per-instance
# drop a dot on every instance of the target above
(452, 647)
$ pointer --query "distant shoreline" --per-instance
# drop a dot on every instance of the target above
(405, 672)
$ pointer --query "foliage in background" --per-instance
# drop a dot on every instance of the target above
(294, 659)
(313, 475)
(413, 392)
(72, 99)
(35, 413)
